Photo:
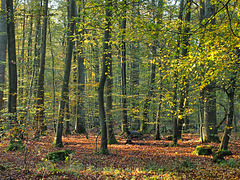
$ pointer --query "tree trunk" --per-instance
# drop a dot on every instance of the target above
(210, 133)
(106, 58)
(183, 104)
(124, 68)
(65, 90)
(53, 79)
(109, 84)
(12, 67)
(175, 96)
(230, 93)
(80, 123)
(3, 47)
(40, 94)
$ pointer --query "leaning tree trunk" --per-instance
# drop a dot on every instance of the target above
(64, 93)
(230, 93)
(40, 94)
(12, 67)
(3, 47)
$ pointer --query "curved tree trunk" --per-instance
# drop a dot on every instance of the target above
(106, 58)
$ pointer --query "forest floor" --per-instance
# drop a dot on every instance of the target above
(145, 159)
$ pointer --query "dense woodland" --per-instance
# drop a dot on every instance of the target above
(116, 67)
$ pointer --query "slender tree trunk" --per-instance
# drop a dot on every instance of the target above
(176, 77)
(53, 78)
(37, 44)
(40, 94)
(12, 67)
(109, 84)
(80, 123)
(106, 58)
(64, 93)
(230, 93)
(124, 68)
(184, 89)
(21, 60)
(3, 47)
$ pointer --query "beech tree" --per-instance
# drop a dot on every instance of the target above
(65, 90)
(3, 47)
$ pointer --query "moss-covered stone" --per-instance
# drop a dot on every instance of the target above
(58, 155)
(219, 156)
(16, 145)
(203, 150)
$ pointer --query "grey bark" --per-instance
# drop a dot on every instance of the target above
(209, 131)
(3, 47)
(12, 67)
(105, 60)
(80, 123)
(124, 69)
(40, 93)
(64, 93)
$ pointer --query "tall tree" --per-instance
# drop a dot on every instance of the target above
(80, 123)
(209, 116)
(12, 66)
(3, 47)
(105, 62)
(40, 94)
(183, 104)
(124, 68)
(65, 90)
(176, 75)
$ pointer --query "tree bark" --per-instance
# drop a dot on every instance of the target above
(80, 123)
(210, 118)
(12, 67)
(230, 93)
(176, 77)
(123, 70)
(65, 90)
(41, 127)
(3, 47)
(105, 60)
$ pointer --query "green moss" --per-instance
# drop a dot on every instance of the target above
(58, 155)
(203, 150)
(16, 145)
(219, 156)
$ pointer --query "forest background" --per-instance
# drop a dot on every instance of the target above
(146, 66)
